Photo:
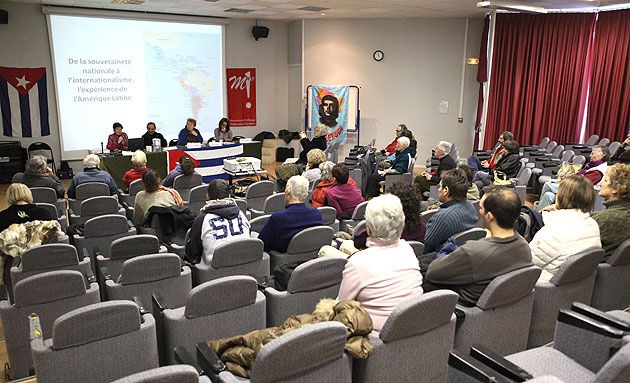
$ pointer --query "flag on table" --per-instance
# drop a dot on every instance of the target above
(24, 102)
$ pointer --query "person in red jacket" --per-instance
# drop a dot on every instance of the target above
(324, 184)
(139, 161)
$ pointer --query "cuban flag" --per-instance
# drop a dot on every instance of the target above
(208, 160)
(24, 102)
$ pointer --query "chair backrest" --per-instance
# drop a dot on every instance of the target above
(426, 215)
(577, 267)
(613, 147)
(473, 234)
(578, 159)
(49, 287)
(508, 288)
(621, 255)
(136, 187)
(242, 204)
(310, 239)
(97, 206)
(592, 140)
(617, 369)
(359, 228)
(418, 247)
(220, 295)
(523, 178)
(274, 202)
(258, 223)
(567, 155)
(50, 208)
(91, 189)
(237, 252)
(197, 198)
(419, 315)
(184, 184)
(551, 147)
(301, 351)
(316, 274)
(45, 195)
(257, 193)
(181, 373)
(557, 151)
(544, 142)
(50, 256)
(129, 247)
(604, 142)
(359, 211)
(329, 214)
(150, 268)
(412, 164)
(105, 226)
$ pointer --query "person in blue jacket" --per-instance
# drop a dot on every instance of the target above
(189, 133)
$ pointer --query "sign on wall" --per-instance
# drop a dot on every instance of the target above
(241, 96)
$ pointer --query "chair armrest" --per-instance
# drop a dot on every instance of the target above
(105, 274)
(499, 364)
(141, 306)
(208, 359)
(86, 254)
(599, 316)
(474, 368)
(91, 278)
(550, 164)
(460, 315)
(159, 303)
(35, 328)
(183, 357)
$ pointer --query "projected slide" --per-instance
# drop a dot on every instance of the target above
(133, 72)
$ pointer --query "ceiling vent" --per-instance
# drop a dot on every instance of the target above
(312, 9)
(238, 10)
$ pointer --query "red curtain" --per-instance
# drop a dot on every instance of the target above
(609, 98)
(538, 68)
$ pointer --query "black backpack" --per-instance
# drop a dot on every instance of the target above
(528, 223)
(65, 171)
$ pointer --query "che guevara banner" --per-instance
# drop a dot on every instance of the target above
(241, 96)
(329, 107)
(24, 102)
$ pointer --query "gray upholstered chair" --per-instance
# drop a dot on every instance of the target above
(426, 215)
(50, 295)
(358, 215)
(312, 354)
(98, 234)
(272, 204)
(49, 195)
(474, 234)
(241, 256)
(303, 246)
(256, 224)
(418, 247)
(500, 320)
(548, 175)
(414, 343)
(54, 213)
(521, 184)
(184, 184)
(406, 177)
(309, 283)
(129, 198)
(171, 374)
(50, 257)
(197, 198)
(218, 309)
(142, 275)
(85, 191)
(96, 207)
(97, 343)
(612, 286)
(329, 215)
(122, 249)
(257, 193)
(573, 282)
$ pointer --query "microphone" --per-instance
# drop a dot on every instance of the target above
(102, 151)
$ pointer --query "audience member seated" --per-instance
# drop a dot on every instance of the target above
(220, 221)
(343, 196)
(139, 162)
(614, 221)
(314, 158)
(154, 194)
(509, 165)
(424, 181)
(283, 225)
(223, 132)
(386, 273)
(38, 174)
(91, 173)
(455, 215)
(399, 165)
(471, 267)
(186, 167)
(621, 150)
(568, 229)
(189, 133)
(391, 148)
(117, 141)
(318, 142)
(327, 181)
(473, 191)
(413, 143)
(147, 138)
(594, 170)
(497, 153)
(21, 207)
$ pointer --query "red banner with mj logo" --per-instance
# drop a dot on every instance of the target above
(241, 96)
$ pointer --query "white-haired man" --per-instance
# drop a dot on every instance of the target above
(399, 165)
(423, 182)
(38, 174)
(91, 173)
(285, 224)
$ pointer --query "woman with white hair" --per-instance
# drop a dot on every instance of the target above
(387, 273)
(325, 183)
(91, 173)
(314, 158)
(318, 142)
(398, 166)
(139, 162)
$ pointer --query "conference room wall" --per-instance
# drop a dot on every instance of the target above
(422, 66)
(24, 43)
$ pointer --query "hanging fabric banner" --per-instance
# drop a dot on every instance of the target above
(241, 96)
(329, 107)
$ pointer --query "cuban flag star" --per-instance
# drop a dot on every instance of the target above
(24, 102)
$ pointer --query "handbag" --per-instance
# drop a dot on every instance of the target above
(501, 179)
(568, 169)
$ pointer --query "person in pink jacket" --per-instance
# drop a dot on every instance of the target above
(387, 273)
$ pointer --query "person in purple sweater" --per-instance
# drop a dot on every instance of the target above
(343, 196)
(283, 225)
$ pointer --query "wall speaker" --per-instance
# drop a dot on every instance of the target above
(4, 17)
(260, 32)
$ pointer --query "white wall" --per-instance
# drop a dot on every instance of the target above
(422, 66)
(24, 43)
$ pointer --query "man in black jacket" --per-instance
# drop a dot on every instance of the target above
(423, 182)
(509, 165)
